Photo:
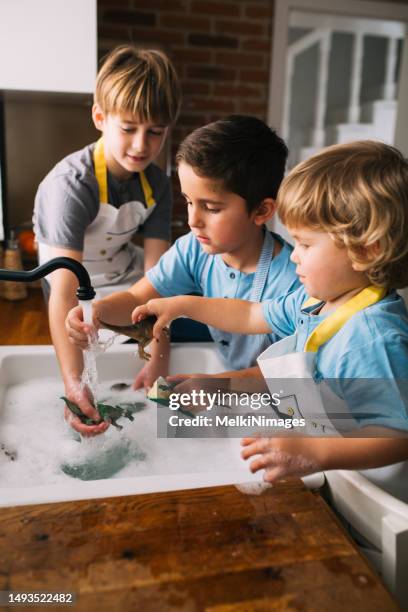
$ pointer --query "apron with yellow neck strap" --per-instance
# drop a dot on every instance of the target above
(112, 260)
(300, 396)
(324, 412)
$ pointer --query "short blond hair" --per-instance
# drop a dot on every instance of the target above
(358, 193)
(139, 81)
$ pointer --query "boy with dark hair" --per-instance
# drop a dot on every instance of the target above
(229, 171)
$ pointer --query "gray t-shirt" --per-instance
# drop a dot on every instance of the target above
(67, 201)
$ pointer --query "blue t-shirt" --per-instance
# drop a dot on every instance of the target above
(372, 344)
(186, 268)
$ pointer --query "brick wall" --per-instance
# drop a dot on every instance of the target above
(221, 50)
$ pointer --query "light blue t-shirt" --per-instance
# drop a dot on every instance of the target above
(373, 344)
(186, 268)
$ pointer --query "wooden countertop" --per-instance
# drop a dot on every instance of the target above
(213, 549)
(25, 321)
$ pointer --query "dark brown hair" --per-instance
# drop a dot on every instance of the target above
(240, 151)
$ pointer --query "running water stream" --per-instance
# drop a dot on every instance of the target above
(90, 373)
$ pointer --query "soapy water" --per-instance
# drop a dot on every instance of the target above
(38, 447)
(48, 451)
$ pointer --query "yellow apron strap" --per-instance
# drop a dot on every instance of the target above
(311, 302)
(147, 190)
(100, 171)
(101, 177)
(330, 326)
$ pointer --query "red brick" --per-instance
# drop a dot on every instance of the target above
(113, 3)
(185, 54)
(169, 6)
(195, 88)
(192, 121)
(241, 91)
(260, 11)
(211, 105)
(236, 27)
(255, 76)
(118, 32)
(233, 58)
(216, 8)
(209, 40)
(211, 73)
(128, 17)
(158, 37)
(184, 22)
(253, 108)
(257, 44)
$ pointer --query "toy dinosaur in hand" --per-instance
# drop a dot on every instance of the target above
(107, 412)
(142, 332)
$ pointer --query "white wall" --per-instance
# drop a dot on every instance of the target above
(48, 45)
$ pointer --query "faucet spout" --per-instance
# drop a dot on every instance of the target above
(85, 290)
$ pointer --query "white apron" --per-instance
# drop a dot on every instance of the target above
(114, 263)
(112, 260)
(302, 397)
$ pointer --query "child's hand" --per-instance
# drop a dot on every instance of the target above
(77, 330)
(150, 373)
(82, 397)
(281, 457)
(165, 309)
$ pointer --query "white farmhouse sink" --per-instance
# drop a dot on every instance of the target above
(51, 464)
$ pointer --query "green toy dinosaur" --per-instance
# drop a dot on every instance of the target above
(107, 412)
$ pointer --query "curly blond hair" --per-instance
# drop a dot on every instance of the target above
(358, 193)
(140, 81)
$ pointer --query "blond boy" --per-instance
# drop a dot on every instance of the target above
(91, 203)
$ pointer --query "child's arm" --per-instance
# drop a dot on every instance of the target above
(234, 316)
(153, 249)
(62, 298)
(282, 457)
(116, 308)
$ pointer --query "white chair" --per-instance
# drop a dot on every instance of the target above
(381, 519)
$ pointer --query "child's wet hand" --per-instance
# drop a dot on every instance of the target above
(81, 396)
(78, 331)
(280, 457)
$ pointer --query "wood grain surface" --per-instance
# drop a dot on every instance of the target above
(214, 549)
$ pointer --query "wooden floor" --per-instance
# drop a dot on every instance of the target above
(25, 321)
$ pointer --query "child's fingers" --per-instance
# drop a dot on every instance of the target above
(267, 461)
(139, 313)
(247, 441)
(85, 430)
(273, 474)
(78, 338)
(92, 430)
(178, 378)
(256, 447)
(158, 327)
